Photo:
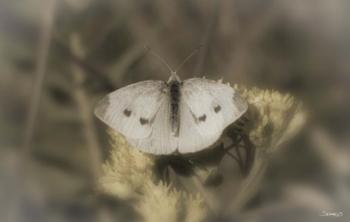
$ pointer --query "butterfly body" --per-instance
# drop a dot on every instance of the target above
(174, 97)
(161, 117)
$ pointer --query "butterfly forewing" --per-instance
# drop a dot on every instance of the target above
(203, 108)
(235, 106)
(232, 106)
(207, 108)
(131, 110)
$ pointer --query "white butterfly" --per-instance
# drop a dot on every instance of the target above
(164, 117)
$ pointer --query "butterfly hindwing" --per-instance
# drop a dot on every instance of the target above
(131, 110)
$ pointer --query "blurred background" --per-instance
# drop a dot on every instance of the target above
(58, 57)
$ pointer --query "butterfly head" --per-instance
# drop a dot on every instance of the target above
(174, 77)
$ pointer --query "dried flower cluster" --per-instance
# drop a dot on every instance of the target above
(161, 202)
(128, 170)
(275, 117)
(129, 174)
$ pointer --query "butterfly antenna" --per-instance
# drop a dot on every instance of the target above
(188, 57)
(159, 57)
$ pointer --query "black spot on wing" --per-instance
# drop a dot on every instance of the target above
(144, 121)
(217, 108)
(202, 118)
(127, 112)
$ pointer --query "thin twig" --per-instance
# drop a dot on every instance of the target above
(85, 108)
(89, 130)
(234, 157)
(21, 171)
(249, 185)
(87, 66)
(119, 69)
(206, 38)
(41, 66)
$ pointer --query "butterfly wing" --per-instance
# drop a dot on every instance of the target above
(132, 109)
(141, 112)
(232, 104)
(191, 138)
(161, 141)
(207, 108)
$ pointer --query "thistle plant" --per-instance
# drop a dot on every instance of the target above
(187, 187)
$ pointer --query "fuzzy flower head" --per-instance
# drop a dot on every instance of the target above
(275, 117)
(162, 202)
(126, 171)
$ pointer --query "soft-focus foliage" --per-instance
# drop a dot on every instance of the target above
(298, 48)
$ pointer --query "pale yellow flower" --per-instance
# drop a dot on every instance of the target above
(275, 117)
(126, 171)
(162, 202)
(159, 203)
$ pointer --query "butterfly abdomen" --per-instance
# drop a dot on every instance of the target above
(175, 94)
